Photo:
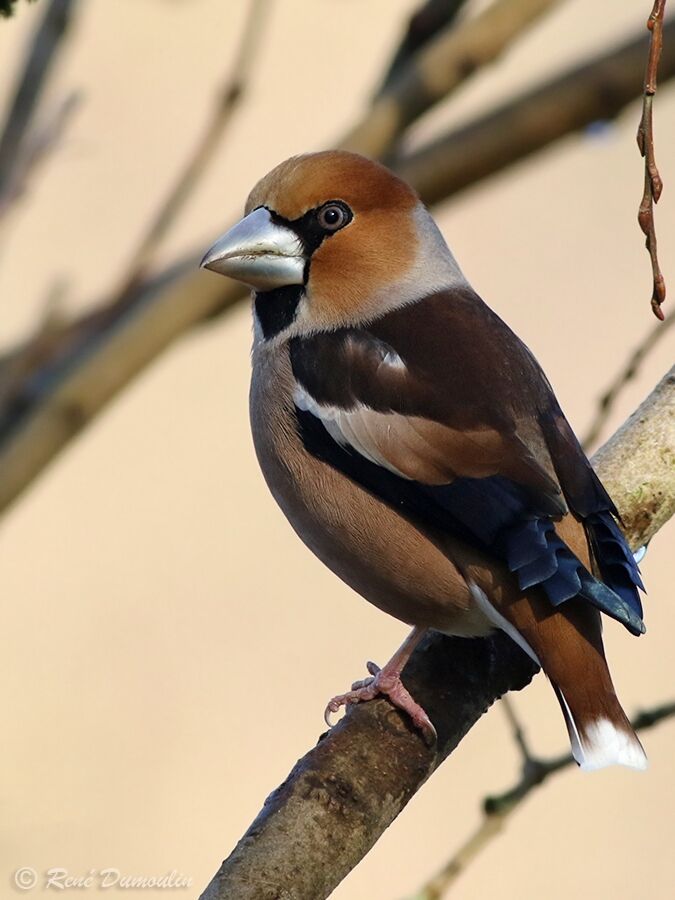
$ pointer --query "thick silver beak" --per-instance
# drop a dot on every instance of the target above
(258, 252)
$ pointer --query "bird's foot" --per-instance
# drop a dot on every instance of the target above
(386, 682)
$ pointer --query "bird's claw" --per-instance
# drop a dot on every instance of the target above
(387, 684)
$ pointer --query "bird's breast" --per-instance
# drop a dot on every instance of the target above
(401, 568)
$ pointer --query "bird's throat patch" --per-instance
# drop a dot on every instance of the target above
(275, 310)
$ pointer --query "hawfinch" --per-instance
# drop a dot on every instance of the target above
(415, 445)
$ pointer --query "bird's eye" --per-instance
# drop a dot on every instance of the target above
(334, 216)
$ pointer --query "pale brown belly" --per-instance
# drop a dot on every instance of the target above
(400, 568)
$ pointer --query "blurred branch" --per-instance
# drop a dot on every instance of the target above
(595, 91)
(424, 24)
(47, 41)
(343, 794)
(625, 375)
(202, 154)
(517, 730)
(88, 362)
(41, 139)
(19, 366)
(645, 139)
(97, 355)
(498, 809)
(433, 73)
(7, 7)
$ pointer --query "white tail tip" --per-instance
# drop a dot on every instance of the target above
(604, 744)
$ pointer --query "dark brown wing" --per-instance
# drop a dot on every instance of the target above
(430, 390)
(442, 410)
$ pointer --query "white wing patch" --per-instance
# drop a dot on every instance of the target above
(357, 428)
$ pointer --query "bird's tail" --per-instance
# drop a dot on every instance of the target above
(572, 656)
(567, 643)
(599, 730)
(600, 733)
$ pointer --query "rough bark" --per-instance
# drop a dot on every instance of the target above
(638, 464)
(343, 794)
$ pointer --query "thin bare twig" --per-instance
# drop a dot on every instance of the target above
(46, 43)
(645, 139)
(497, 809)
(517, 730)
(424, 24)
(40, 140)
(623, 377)
(202, 154)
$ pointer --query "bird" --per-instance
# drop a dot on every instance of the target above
(415, 445)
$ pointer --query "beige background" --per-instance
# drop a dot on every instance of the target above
(168, 643)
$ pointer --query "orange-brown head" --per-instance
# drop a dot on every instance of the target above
(333, 239)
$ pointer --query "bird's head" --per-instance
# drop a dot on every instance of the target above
(333, 239)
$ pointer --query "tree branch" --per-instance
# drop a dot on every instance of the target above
(42, 54)
(344, 793)
(595, 91)
(638, 465)
(433, 73)
(645, 139)
(517, 730)
(425, 23)
(40, 141)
